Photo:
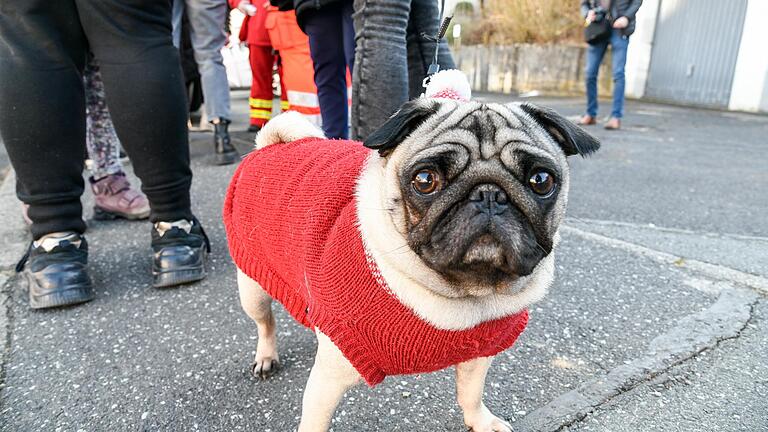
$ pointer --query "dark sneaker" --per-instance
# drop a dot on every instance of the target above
(225, 152)
(180, 249)
(254, 128)
(55, 268)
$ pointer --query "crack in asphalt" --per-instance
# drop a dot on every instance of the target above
(6, 325)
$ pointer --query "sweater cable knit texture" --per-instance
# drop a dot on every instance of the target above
(292, 226)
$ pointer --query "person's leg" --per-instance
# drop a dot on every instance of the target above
(114, 196)
(41, 61)
(42, 54)
(206, 22)
(143, 82)
(348, 33)
(260, 101)
(206, 19)
(348, 29)
(595, 53)
(100, 139)
(619, 45)
(326, 44)
(284, 104)
(380, 76)
(421, 52)
(299, 82)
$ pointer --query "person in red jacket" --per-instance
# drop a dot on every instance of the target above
(262, 58)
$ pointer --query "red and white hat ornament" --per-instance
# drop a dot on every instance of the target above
(449, 84)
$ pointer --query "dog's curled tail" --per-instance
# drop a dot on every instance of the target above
(286, 127)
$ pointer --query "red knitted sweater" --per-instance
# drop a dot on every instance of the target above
(292, 226)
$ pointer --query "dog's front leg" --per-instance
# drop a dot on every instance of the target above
(470, 381)
(331, 376)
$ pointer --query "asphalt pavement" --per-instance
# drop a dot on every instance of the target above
(657, 320)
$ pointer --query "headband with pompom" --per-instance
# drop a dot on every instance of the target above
(449, 84)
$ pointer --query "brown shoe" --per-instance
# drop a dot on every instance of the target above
(587, 120)
(613, 124)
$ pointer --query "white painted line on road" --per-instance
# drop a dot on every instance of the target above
(653, 227)
(713, 271)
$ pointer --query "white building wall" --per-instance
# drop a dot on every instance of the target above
(640, 48)
(750, 80)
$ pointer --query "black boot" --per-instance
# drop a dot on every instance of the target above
(225, 152)
(56, 271)
(180, 249)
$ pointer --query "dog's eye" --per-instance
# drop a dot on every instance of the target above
(542, 183)
(425, 181)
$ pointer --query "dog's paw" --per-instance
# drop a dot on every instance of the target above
(265, 367)
(485, 421)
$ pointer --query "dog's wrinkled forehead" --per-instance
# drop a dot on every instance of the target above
(485, 128)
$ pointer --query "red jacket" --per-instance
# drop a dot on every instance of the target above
(292, 226)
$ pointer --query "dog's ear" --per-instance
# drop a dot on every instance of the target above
(572, 139)
(410, 116)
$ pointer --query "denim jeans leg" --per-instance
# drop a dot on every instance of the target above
(206, 22)
(380, 76)
(595, 53)
(423, 20)
(619, 45)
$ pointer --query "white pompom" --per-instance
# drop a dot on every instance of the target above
(451, 83)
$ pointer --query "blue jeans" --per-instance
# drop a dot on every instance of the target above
(391, 58)
(595, 53)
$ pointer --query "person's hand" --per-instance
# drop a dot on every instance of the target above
(246, 7)
(590, 16)
(621, 22)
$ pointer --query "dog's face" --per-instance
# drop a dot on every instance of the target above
(481, 188)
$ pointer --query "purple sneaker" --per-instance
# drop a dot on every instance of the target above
(116, 199)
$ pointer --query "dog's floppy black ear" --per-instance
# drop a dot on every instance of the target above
(400, 125)
(572, 139)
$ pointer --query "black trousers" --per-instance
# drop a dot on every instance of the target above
(43, 47)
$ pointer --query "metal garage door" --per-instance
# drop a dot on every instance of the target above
(694, 51)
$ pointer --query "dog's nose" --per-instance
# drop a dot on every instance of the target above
(489, 198)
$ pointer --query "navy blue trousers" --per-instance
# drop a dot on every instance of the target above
(332, 46)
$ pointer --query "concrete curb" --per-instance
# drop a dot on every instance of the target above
(725, 319)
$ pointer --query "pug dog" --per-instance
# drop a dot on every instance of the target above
(419, 249)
